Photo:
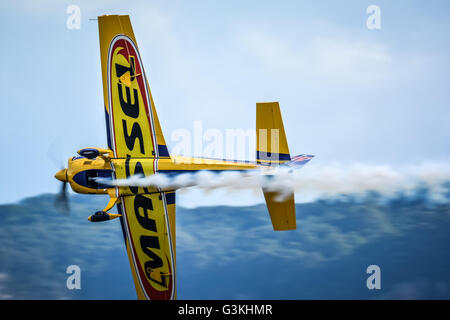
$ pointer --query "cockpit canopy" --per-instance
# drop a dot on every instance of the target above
(90, 153)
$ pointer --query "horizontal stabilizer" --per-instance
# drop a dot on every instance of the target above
(282, 213)
(298, 161)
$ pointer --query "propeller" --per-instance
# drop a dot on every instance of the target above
(54, 153)
(62, 199)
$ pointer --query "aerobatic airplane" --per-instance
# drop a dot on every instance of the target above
(136, 145)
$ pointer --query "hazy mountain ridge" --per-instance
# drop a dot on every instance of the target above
(232, 252)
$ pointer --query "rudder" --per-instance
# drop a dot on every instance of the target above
(271, 142)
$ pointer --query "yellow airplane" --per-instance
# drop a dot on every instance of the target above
(136, 145)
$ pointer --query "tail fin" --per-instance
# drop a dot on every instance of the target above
(271, 143)
(274, 151)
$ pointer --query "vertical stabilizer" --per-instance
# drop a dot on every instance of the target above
(271, 143)
(272, 150)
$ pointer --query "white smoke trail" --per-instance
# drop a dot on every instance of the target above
(314, 181)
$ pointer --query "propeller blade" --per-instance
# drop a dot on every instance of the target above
(62, 201)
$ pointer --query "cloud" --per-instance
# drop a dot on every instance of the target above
(320, 58)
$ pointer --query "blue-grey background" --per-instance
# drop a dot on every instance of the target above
(233, 253)
(348, 95)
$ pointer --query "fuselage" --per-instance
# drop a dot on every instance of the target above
(82, 173)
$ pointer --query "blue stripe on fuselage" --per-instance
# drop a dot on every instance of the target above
(261, 155)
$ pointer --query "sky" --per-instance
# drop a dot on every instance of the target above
(348, 94)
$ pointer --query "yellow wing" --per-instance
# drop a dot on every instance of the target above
(133, 129)
(132, 123)
(148, 225)
(148, 222)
